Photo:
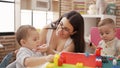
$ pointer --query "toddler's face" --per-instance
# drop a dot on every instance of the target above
(33, 40)
(107, 32)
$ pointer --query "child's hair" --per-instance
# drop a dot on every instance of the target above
(23, 32)
(106, 21)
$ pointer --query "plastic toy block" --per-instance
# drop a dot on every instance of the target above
(116, 67)
(50, 65)
(111, 59)
(114, 62)
(56, 57)
(104, 59)
(86, 54)
(74, 58)
(81, 60)
(79, 65)
(60, 62)
(98, 62)
(98, 51)
(110, 63)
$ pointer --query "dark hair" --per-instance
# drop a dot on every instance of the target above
(23, 32)
(106, 21)
(76, 20)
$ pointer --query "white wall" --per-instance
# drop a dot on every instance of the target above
(17, 14)
(89, 22)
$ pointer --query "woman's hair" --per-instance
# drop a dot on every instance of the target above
(23, 32)
(106, 21)
(76, 20)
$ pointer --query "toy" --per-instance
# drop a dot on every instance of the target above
(114, 62)
(111, 9)
(82, 60)
(98, 51)
(79, 65)
(56, 59)
(101, 6)
(60, 62)
(73, 60)
(98, 62)
(92, 9)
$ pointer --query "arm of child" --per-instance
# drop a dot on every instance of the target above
(37, 61)
(118, 57)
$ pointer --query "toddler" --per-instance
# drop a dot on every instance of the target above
(28, 38)
(110, 44)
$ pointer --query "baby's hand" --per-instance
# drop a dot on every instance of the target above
(118, 57)
(50, 58)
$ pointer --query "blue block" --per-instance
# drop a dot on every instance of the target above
(116, 66)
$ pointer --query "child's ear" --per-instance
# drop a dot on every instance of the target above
(22, 41)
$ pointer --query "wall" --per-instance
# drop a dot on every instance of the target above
(8, 41)
(118, 13)
(17, 14)
(9, 45)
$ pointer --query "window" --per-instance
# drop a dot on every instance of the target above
(39, 19)
(6, 16)
(26, 17)
(36, 18)
(43, 5)
(9, 0)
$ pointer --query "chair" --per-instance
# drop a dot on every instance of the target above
(95, 36)
(12, 65)
(6, 60)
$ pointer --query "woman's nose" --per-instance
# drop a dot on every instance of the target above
(60, 29)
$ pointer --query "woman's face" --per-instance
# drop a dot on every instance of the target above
(64, 29)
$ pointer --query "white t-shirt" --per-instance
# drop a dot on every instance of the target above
(24, 53)
(110, 48)
(48, 38)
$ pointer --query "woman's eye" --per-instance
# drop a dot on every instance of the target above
(66, 29)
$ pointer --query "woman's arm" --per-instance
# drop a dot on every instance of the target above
(43, 34)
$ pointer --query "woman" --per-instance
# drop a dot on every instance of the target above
(65, 34)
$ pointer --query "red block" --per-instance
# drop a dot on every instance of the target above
(73, 58)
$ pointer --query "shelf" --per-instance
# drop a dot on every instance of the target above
(92, 21)
(98, 16)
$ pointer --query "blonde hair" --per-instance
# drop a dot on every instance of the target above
(23, 32)
(106, 21)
